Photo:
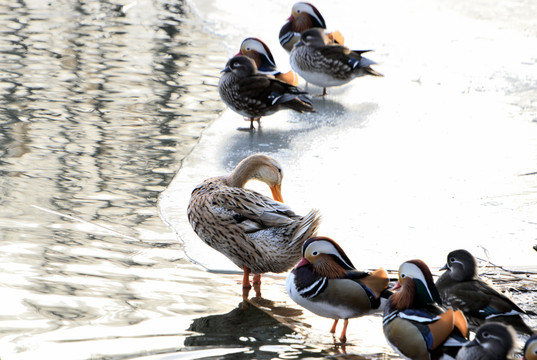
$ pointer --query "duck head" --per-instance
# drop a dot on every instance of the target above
(461, 265)
(492, 341)
(305, 16)
(315, 37)
(326, 257)
(415, 286)
(259, 167)
(259, 52)
(530, 348)
(242, 66)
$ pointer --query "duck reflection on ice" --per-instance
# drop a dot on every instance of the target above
(254, 328)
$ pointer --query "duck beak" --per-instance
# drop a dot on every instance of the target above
(277, 192)
(302, 262)
(239, 53)
(445, 267)
(396, 286)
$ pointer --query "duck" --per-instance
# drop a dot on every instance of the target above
(258, 51)
(326, 283)
(530, 348)
(254, 95)
(460, 287)
(304, 16)
(414, 323)
(323, 64)
(257, 233)
(493, 341)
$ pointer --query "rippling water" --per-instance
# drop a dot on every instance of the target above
(99, 103)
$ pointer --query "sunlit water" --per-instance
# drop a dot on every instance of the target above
(102, 103)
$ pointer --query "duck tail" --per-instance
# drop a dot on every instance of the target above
(308, 226)
(298, 102)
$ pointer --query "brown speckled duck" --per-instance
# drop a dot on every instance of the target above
(257, 233)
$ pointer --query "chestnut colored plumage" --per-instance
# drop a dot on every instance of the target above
(326, 283)
(414, 323)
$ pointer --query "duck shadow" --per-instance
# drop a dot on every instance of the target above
(272, 138)
(244, 325)
(261, 326)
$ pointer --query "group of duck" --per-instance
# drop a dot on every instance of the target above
(252, 86)
(421, 319)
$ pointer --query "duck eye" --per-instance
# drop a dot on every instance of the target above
(486, 335)
(452, 259)
(315, 253)
(403, 276)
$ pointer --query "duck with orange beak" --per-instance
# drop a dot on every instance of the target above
(257, 233)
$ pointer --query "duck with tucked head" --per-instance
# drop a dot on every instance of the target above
(493, 341)
(304, 16)
(257, 233)
(414, 323)
(254, 95)
(258, 51)
(461, 288)
(324, 64)
(326, 282)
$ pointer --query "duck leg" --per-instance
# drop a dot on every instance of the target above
(256, 281)
(246, 283)
(343, 337)
(333, 329)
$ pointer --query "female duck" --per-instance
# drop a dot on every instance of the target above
(256, 233)
(461, 288)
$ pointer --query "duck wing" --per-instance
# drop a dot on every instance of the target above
(252, 211)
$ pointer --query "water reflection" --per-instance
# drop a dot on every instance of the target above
(99, 103)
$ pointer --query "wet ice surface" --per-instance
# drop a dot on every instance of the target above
(437, 155)
(430, 158)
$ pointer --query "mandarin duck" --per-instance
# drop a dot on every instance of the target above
(257, 233)
(414, 324)
(304, 16)
(253, 95)
(326, 283)
(461, 288)
(258, 51)
(493, 341)
(530, 348)
(326, 65)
